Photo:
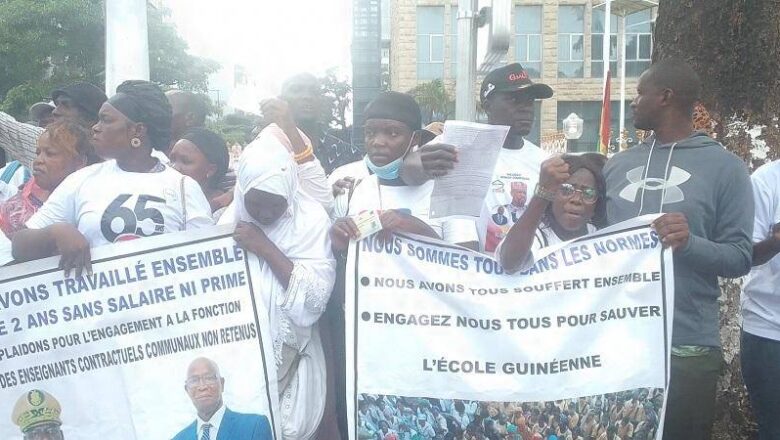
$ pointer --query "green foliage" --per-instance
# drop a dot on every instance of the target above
(236, 128)
(336, 100)
(435, 102)
(17, 100)
(48, 43)
(169, 62)
(44, 43)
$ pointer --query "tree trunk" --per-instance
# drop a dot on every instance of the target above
(734, 45)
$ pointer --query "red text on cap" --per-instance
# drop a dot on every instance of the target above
(517, 76)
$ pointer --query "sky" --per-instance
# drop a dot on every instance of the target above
(273, 39)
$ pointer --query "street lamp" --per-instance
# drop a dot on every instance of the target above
(572, 130)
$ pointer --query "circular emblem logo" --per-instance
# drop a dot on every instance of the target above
(35, 398)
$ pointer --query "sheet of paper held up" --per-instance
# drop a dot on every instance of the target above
(462, 192)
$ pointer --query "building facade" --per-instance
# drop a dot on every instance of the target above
(366, 59)
(558, 42)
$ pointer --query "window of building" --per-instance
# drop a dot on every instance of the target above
(639, 42)
(430, 42)
(369, 78)
(528, 39)
(453, 39)
(590, 112)
(385, 13)
(571, 39)
(597, 44)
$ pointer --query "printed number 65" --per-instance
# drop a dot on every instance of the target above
(130, 218)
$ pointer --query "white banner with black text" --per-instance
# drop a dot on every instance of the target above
(441, 343)
(164, 330)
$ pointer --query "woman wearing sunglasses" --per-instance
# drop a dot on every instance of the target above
(568, 203)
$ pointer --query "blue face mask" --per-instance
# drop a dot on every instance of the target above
(385, 172)
(390, 171)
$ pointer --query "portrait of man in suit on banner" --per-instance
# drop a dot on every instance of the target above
(215, 421)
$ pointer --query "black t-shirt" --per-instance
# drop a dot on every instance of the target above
(333, 152)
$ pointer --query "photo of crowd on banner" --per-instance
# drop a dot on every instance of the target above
(631, 414)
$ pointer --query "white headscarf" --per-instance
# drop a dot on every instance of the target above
(268, 166)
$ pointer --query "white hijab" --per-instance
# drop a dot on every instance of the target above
(301, 232)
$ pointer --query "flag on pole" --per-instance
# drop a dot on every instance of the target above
(604, 127)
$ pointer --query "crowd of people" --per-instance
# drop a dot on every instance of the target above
(626, 415)
(141, 163)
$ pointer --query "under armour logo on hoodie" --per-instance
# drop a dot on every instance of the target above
(677, 176)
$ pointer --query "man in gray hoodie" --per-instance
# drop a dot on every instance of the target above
(705, 194)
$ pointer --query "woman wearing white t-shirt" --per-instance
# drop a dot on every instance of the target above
(568, 203)
(392, 126)
(283, 225)
(131, 196)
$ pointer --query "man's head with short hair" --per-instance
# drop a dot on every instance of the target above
(669, 89)
(205, 386)
(189, 111)
(40, 113)
(303, 93)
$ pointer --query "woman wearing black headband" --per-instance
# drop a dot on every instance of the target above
(392, 127)
(130, 195)
(203, 155)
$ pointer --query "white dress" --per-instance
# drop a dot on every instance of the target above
(301, 234)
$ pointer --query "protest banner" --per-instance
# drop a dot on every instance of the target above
(583, 333)
(108, 353)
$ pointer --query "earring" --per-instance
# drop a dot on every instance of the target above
(135, 142)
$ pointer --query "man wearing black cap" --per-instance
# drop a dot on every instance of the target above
(79, 102)
(507, 95)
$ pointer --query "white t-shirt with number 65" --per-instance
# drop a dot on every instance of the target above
(109, 205)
